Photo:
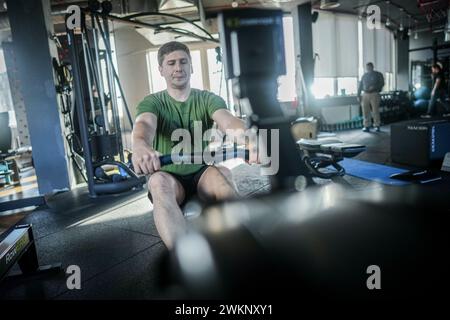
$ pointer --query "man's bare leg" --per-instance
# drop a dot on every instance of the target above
(167, 194)
(216, 184)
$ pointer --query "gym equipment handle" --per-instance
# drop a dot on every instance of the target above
(190, 158)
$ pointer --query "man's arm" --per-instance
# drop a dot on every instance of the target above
(235, 127)
(437, 83)
(225, 120)
(381, 81)
(145, 159)
(229, 124)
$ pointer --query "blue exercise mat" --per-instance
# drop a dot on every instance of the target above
(372, 171)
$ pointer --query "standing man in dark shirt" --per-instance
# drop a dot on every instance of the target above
(372, 82)
(439, 91)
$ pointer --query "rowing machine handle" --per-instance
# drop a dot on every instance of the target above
(167, 158)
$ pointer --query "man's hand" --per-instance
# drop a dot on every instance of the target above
(253, 154)
(145, 160)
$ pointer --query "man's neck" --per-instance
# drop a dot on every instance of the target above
(179, 94)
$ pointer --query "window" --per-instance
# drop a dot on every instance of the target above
(5, 93)
(335, 41)
(196, 76)
(157, 83)
(286, 88)
(343, 51)
(389, 82)
(347, 86)
(377, 48)
(216, 75)
(323, 87)
(360, 49)
(120, 104)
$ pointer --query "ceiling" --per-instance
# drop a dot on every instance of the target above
(420, 15)
(417, 14)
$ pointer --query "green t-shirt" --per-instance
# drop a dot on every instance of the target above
(172, 114)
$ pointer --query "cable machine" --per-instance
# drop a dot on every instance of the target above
(94, 111)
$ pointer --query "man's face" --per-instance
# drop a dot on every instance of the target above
(369, 68)
(176, 69)
(434, 70)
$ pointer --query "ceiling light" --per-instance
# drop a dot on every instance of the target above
(388, 22)
(409, 25)
(329, 4)
(400, 28)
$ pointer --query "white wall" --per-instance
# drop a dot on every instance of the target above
(339, 114)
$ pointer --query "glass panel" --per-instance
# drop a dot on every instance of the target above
(157, 83)
(216, 75)
(286, 88)
(323, 87)
(347, 86)
(196, 77)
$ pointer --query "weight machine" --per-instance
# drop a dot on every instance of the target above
(95, 139)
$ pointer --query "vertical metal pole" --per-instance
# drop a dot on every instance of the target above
(95, 74)
(88, 77)
(73, 48)
(303, 98)
(435, 50)
(123, 99)
(227, 89)
(101, 91)
(112, 91)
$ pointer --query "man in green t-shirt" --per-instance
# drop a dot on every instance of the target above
(158, 115)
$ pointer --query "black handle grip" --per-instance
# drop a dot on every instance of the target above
(167, 158)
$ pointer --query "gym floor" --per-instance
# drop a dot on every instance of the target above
(115, 243)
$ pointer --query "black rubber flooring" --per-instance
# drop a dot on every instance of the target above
(115, 243)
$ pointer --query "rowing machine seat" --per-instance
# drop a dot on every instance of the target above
(331, 146)
(345, 150)
(321, 154)
(315, 144)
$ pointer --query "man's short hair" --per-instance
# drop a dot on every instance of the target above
(437, 65)
(170, 47)
(369, 64)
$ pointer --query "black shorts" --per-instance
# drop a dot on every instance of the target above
(189, 183)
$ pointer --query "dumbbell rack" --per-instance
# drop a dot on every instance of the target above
(356, 123)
